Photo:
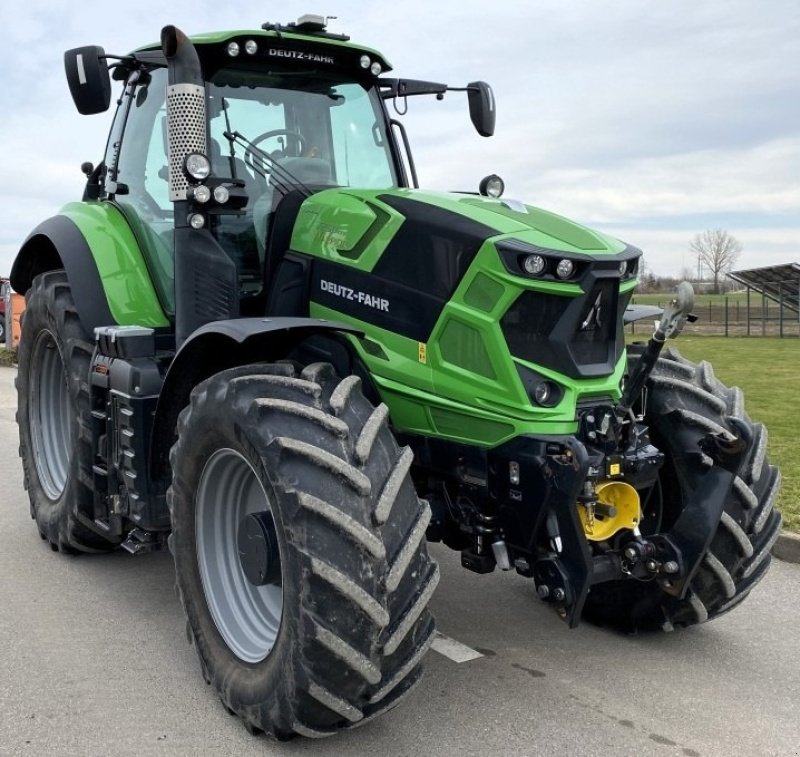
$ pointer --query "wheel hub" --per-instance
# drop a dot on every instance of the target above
(258, 549)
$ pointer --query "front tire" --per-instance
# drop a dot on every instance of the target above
(686, 401)
(54, 416)
(299, 549)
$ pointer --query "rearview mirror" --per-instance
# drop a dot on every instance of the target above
(481, 107)
(88, 79)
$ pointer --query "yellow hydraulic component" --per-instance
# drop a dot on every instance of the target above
(617, 508)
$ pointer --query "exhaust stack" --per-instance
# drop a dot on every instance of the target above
(206, 282)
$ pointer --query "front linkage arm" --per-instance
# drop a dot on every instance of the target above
(673, 319)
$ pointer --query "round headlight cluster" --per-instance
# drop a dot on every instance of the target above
(535, 264)
(250, 47)
(370, 65)
(233, 49)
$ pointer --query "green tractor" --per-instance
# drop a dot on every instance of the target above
(256, 341)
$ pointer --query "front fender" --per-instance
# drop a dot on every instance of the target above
(95, 245)
(216, 347)
(58, 243)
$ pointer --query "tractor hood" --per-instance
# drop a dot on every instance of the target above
(344, 220)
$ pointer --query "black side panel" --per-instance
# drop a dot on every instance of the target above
(58, 243)
(205, 282)
(416, 275)
(394, 306)
(432, 250)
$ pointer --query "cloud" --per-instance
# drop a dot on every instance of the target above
(641, 118)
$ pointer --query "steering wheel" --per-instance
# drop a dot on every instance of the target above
(294, 140)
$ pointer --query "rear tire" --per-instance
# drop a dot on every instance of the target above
(54, 415)
(336, 634)
(686, 400)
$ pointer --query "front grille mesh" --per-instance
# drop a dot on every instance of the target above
(577, 336)
(528, 323)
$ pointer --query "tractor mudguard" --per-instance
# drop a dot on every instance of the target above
(110, 280)
(218, 346)
(58, 243)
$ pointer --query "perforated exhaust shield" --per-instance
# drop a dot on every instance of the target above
(186, 131)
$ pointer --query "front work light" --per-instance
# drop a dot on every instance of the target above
(221, 194)
(197, 166)
(197, 221)
(201, 194)
(492, 186)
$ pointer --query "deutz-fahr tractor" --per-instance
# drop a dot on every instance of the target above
(257, 341)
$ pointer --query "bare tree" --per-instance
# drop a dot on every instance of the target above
(717, 250)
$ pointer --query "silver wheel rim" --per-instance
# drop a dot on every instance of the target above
(247, 617)
(49, 416)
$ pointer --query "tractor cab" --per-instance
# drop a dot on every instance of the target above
(225, 135)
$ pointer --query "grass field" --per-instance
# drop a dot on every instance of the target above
(767, 371)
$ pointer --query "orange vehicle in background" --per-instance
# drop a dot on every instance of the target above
(11, 307)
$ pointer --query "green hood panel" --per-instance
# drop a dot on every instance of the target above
(344, 222)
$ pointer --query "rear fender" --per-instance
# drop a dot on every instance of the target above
(216, 347)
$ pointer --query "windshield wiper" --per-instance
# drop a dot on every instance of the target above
(283, 179)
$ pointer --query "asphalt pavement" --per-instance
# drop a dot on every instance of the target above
(94, 661)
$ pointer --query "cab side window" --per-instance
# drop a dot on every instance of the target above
(138, 180)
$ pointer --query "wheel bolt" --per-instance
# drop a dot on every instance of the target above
(670, 566)
(558, 594)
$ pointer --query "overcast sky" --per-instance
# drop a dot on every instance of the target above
(650, 121)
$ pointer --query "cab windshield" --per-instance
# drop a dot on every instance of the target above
(294, 130)
(325, 130)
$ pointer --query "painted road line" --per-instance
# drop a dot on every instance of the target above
(454, 650)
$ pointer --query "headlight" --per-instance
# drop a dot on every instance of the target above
(546, 394)
(534, 264)
(197, 166)
(565, 269)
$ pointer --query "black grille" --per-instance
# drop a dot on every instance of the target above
(596, 326)
(528, 323)
(580, 337)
